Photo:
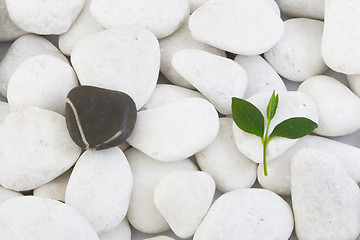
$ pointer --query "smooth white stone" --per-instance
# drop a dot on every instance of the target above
(8, 30)
(340, 35)
(160, 237)
(85, 25)
(291, 104)
(183, 198)
(354, 83)
(297, 56)
(23, 48)
(100, 188)
(6, 194)
(38, 218)
(302, 8)
(279, 171)
(241, 31)
(261, 76)
(181, 39)
(147, 172)
(194, 4)
(162, 17)
(122, 231)
(175, 130)
(229, 168)
(338, 107)
(326, 201)
(126, 60)
(217, 78)
(4, 110)
(44, 16)
(166, 93)
(35, 148)
(247, 214)
(42, 81)
(54, 189)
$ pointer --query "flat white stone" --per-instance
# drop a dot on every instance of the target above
(242, 31)
(54, 189)
(4, 110)
(217, 78)
(247, 214)
(229, 168)
(354, 83)
(42, 81)
(122, 231)
(166, 93)
(290, 105)
(279, 170)
(302, 8)
(85, 25)
(8, 30)
(162, 17)
(23, 48)
(194, 4)
(160, 237)
(326, 201)
(6, 194)
(126, 60)
(338, 107)
(35, 147)
(176, 130)
(341, 35)
(147, 172)
(183, 198)
(100, 187)
(297, 56)
(261, 76)
(38, 218)
(181, 39)
(44, 16)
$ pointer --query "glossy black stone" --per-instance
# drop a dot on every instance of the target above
(99, 118)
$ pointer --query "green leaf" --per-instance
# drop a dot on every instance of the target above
(247, 117)
(272, 105)
(294, 128)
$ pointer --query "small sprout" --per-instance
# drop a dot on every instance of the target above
(249, 119)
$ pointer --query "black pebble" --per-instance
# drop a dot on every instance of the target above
(106, 117)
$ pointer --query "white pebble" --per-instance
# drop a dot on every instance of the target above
(181, 39)
(160, 237)
(23, 48)
(42, 81)
(338, 107)
(194, 4)
(100, 187)
(217, 78)
(241, 31)
(8, 30)
(297, 56)
(354, 83)
(229, 168)
(162, 17)
(6, 194)
(247, 214)
(4, 110)
(35, 147)
(42, 219)
(126, 60)
(44, 16)
(147, 172)
(302, 8)
(183, 198)
(122, 231)
(175, 130)
(326, 201)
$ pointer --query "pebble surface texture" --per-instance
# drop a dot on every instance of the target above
(8, 30)
(38, 218)
(302, 8)
(99, 118)
(122, 231)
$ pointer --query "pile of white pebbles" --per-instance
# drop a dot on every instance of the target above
(186, 171)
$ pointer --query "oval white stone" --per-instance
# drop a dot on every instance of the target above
(302, 8)
(147, 172)
(42, 219)
(247, 214)
(42, 81)
(217, 78)
(160, 237)
(162, 17)
(122, 231)
(35, 147)
(242, 31)
(126, 60)
(6, 194)
(100, 188)
(8, 30)
(176, 130)
(183, 198)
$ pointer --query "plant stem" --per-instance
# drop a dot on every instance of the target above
(264, 156)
